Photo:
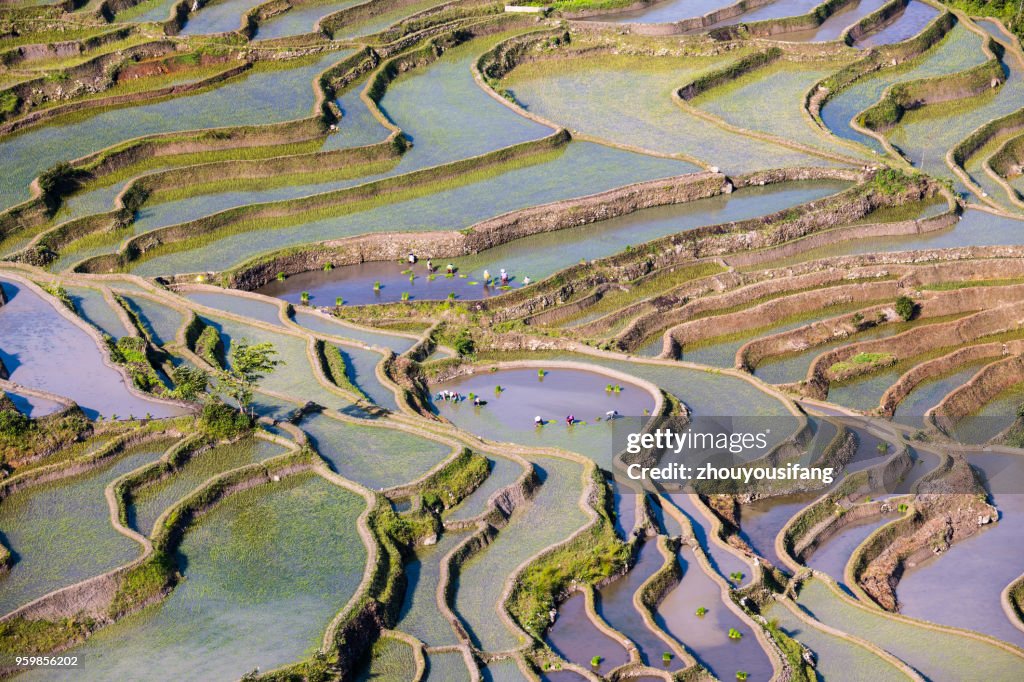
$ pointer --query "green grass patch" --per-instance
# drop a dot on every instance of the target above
(861, 363)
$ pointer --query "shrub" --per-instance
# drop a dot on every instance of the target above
(891, 181)
(906, 308)
(189, 382)
(13, 424)
(210, 347)
(221, 421)
(58, 181)
(464, 344)
(61, 294)
(8, 103)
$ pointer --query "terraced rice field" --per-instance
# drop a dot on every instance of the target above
(325, 328)
(75, 511)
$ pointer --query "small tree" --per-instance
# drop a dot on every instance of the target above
(189, 382)
(906, 308)
(248, 364)
(882, 447)
(596, 661)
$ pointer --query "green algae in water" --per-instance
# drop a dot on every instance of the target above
(926, 395)
(59, 533)
(382, 21)
(160, 321)
(579, 169)
(420, 616)
(504, 670)
(301, 18)
(629, 100)
(551, 516)
(439, 107)
(265, 572)
(323, 324)
(448, 116)
(721, 351)
(361, 367)
(836, 658)
(218, 17)
(925, 135)
(504, 472)
(264, 311)
(937, 655)
(995, 416)
(447, 666)
(959, 50)
(295, 378)
(392, 660)
(770, 100)
(151, 501)
(92, 307)
(267, 96)
(374, 456)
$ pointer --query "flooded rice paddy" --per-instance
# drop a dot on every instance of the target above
(265, 572)
(45, 350)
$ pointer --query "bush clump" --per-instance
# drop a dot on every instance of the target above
(210, 347)
(906, 308)
(464, 344)
(58, 181)
(221, 421)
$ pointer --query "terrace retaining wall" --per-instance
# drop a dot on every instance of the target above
(988, 383)
(483, 235)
